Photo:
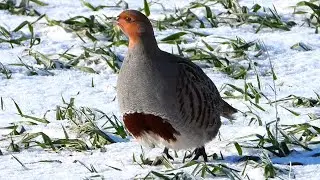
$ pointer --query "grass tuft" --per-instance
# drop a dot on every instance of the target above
(314, 14)
(23, 8)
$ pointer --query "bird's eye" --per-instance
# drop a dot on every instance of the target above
(128, 19)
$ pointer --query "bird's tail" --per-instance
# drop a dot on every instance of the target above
(227, 110)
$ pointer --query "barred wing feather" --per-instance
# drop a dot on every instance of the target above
(198, 98)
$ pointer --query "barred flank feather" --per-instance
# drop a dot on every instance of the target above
(198, 97)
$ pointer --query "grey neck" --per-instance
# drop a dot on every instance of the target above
(147, 46)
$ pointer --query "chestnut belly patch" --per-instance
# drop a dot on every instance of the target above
(140, 123)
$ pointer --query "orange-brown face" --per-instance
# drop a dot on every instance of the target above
(134, 24)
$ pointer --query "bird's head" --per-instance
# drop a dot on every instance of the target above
(136, 26)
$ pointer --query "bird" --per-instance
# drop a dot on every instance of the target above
(164, 99)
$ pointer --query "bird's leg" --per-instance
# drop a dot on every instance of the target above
(166, 152)
(158, 159)
(189, 155)
(201, 151)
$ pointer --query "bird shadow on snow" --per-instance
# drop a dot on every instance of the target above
(300, 158)
(295, 158)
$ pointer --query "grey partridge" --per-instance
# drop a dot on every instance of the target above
(165, 99)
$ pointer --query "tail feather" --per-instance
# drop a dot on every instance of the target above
(227, 110)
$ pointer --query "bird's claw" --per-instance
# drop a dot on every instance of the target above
(201, 151)
(166, 152)
(159, 159)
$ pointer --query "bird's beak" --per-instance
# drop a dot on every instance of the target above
(115, 21)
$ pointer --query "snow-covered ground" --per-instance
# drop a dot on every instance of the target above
(298, 73)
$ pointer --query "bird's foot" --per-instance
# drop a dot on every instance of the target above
(201, 151)
(166, 152)
(159, 159)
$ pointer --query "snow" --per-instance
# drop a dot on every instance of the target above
(298, 73)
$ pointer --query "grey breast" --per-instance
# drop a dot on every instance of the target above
(147, 85)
